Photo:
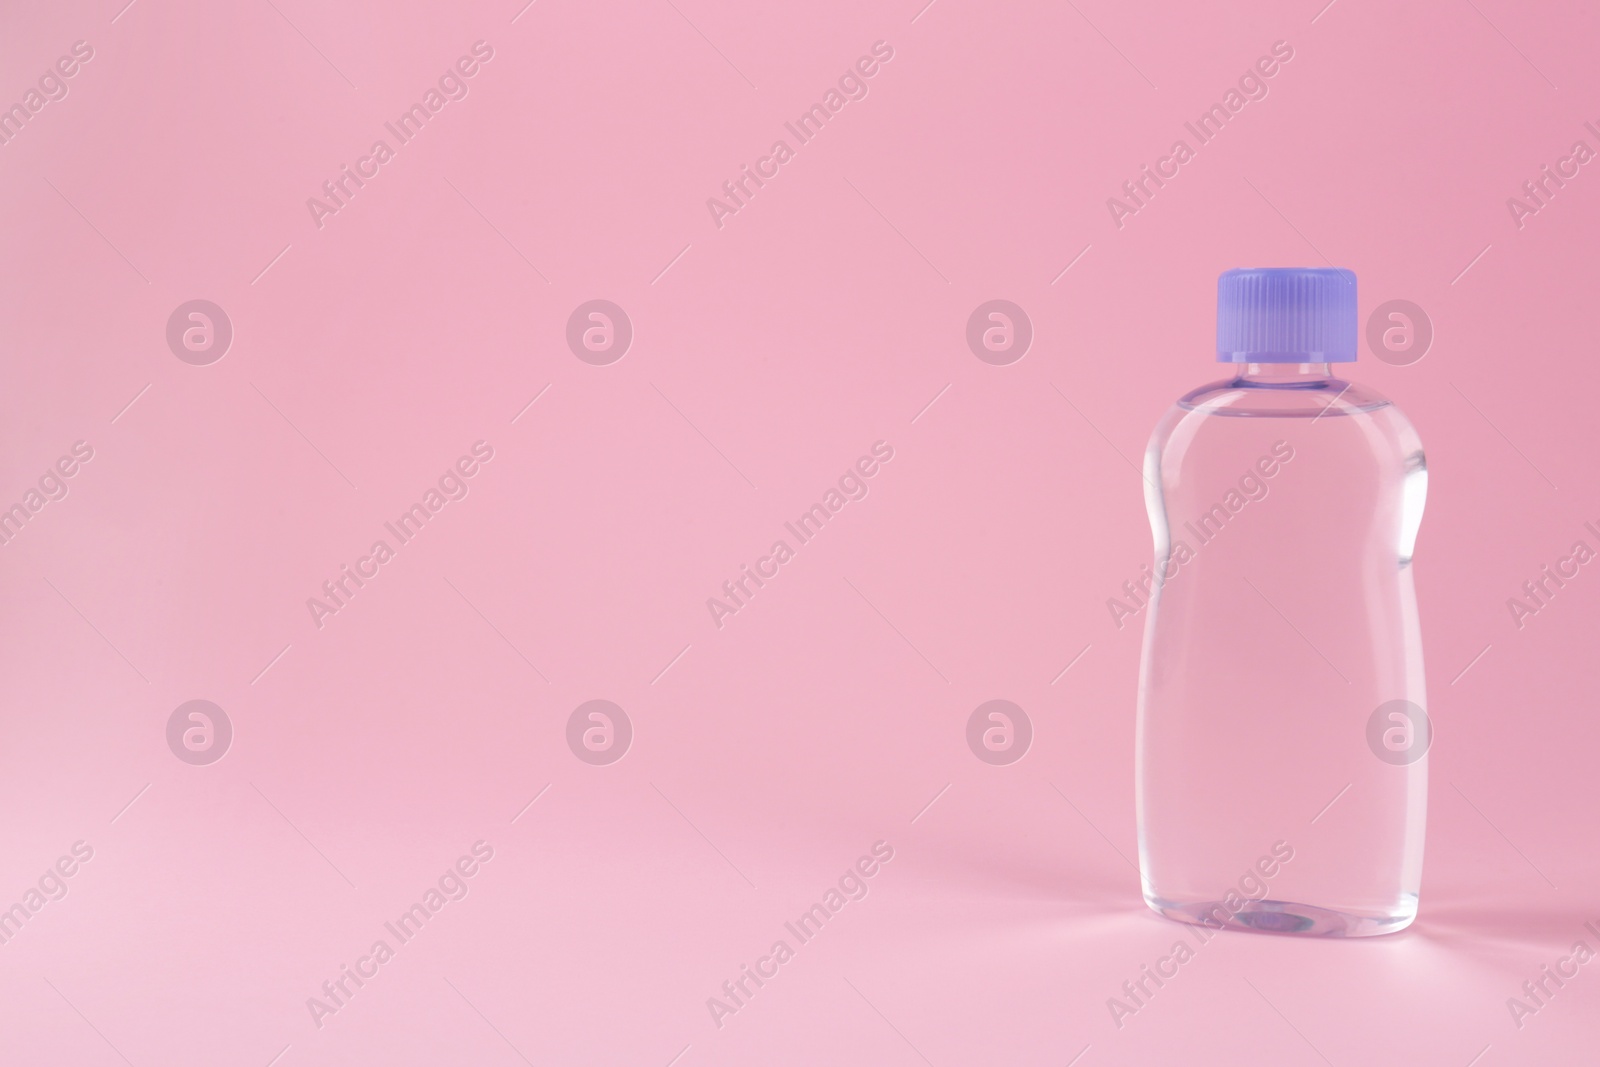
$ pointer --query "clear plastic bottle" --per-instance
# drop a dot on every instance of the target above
(1281, 771)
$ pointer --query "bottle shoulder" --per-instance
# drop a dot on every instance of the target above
(1324, 412)
(1240, 397)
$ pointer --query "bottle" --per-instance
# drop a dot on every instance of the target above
(1281, 768)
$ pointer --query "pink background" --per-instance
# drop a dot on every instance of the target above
(768, 354)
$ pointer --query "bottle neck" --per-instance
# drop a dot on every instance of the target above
(1283, 373)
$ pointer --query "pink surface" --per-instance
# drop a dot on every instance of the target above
(373, 347)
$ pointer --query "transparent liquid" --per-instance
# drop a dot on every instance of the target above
(1267, 649)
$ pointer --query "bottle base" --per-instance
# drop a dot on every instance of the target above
(1285, 917)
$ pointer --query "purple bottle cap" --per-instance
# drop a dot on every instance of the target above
(1286, 315)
